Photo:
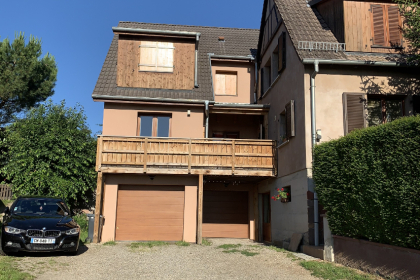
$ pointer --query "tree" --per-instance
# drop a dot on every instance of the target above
(410, 10)
(51, 152)
(25, 78)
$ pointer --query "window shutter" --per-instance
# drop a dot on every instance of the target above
(282, 52)
(378, 25)
(354, 111)
(394, 26)
(290, 119)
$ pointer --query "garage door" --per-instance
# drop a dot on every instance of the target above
(150, 213)
(225, 214)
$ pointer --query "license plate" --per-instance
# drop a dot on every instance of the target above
(43, 240)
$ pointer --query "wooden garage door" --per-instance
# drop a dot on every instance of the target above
(150, 213)
(225, 214)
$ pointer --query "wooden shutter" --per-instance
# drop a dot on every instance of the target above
(147, 56)
(354, 111)
(378, 25)
(394, 24)
(226, 83)
(290, 119)
(282, 52)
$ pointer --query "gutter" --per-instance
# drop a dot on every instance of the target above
(154, 31)
(243, 105)
(152, 99)
(354, 62)
(235, 57)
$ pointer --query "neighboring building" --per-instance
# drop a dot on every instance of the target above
(203, 124)
(360, 80)
(192, 84)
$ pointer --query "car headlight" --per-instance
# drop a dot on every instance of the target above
(13, 230)
(73, 231)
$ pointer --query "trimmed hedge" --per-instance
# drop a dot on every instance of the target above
(369, 183)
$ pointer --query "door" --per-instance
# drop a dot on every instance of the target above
(225, 214)
(266, 217)
(150, 213)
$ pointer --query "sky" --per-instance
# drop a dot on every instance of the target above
(78, 33)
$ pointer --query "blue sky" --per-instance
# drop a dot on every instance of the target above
(78, 33)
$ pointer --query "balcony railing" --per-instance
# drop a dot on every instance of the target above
(240, 157)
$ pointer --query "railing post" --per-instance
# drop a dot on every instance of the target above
(189, 156)
(145, 155)
(233, 157)
(98, 208)
(99, 149)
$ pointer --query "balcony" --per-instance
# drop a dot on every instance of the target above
(211, 156)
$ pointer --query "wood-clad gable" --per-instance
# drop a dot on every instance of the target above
(131, 74)
(271, 21)
(372, 27)
(333, 13)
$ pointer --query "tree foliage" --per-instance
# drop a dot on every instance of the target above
(369, 183)
(51, 152)
(25, 78)
(410, 10)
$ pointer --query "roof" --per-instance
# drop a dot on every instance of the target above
(304, 23)
(238, 42)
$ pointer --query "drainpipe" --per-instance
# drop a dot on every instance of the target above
(206, 104)
(197, 38)
(313, 132)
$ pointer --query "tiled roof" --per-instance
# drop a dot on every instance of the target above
(238, 42)
(304, 23)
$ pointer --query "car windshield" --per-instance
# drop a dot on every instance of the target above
(39, 206)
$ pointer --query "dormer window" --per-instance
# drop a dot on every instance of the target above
(156, 56)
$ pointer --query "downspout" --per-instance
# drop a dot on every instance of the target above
(197, 38)
(313, 131)
(206, 104)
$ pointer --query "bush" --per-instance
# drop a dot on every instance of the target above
(369, 183)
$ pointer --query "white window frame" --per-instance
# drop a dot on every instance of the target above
(155, 65)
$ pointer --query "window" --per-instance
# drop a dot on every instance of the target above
(154, 126)
(225, 83)
(266, 77)
(156, 56)
(386, 26)
(229, 135)
(287, 123)
(383, 109)
(281, 52)
(361, 110)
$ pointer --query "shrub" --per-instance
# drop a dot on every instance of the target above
(369, 183)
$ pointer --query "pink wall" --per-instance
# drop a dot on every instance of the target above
(245, 79)
(121, 119)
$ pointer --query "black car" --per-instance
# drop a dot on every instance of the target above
(39, 224)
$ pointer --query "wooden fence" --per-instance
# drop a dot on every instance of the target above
(6, 192)
(242, 157)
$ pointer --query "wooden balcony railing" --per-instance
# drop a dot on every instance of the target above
(240, 157)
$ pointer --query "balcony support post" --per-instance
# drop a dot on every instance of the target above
(233, 157)
(98, 208)
(200, 210)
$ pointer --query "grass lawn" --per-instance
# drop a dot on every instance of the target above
(330, 271)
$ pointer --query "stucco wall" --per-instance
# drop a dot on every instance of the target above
(332, 82)
(121, 119)
(111, 196)
(245, 81)
(288, 86)
(287, 218)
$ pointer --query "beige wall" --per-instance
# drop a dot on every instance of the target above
(288, 86)
(111, 195)
(332, 82)
(121, 119)
(245, 81)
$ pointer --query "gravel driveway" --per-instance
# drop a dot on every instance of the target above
(120, 261)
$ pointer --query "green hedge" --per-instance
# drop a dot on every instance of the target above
(369, 183)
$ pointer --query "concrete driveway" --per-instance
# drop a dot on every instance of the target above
(239, 259)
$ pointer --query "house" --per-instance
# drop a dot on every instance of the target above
(203, 124)
(184, 144)
(335, 66)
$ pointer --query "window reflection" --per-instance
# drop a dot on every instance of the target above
(146, 124)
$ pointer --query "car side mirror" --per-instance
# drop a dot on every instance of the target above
(6, 211)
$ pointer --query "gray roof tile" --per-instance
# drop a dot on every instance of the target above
(238, 42)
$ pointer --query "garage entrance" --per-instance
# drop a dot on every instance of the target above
(147, 213)
(225, 214)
